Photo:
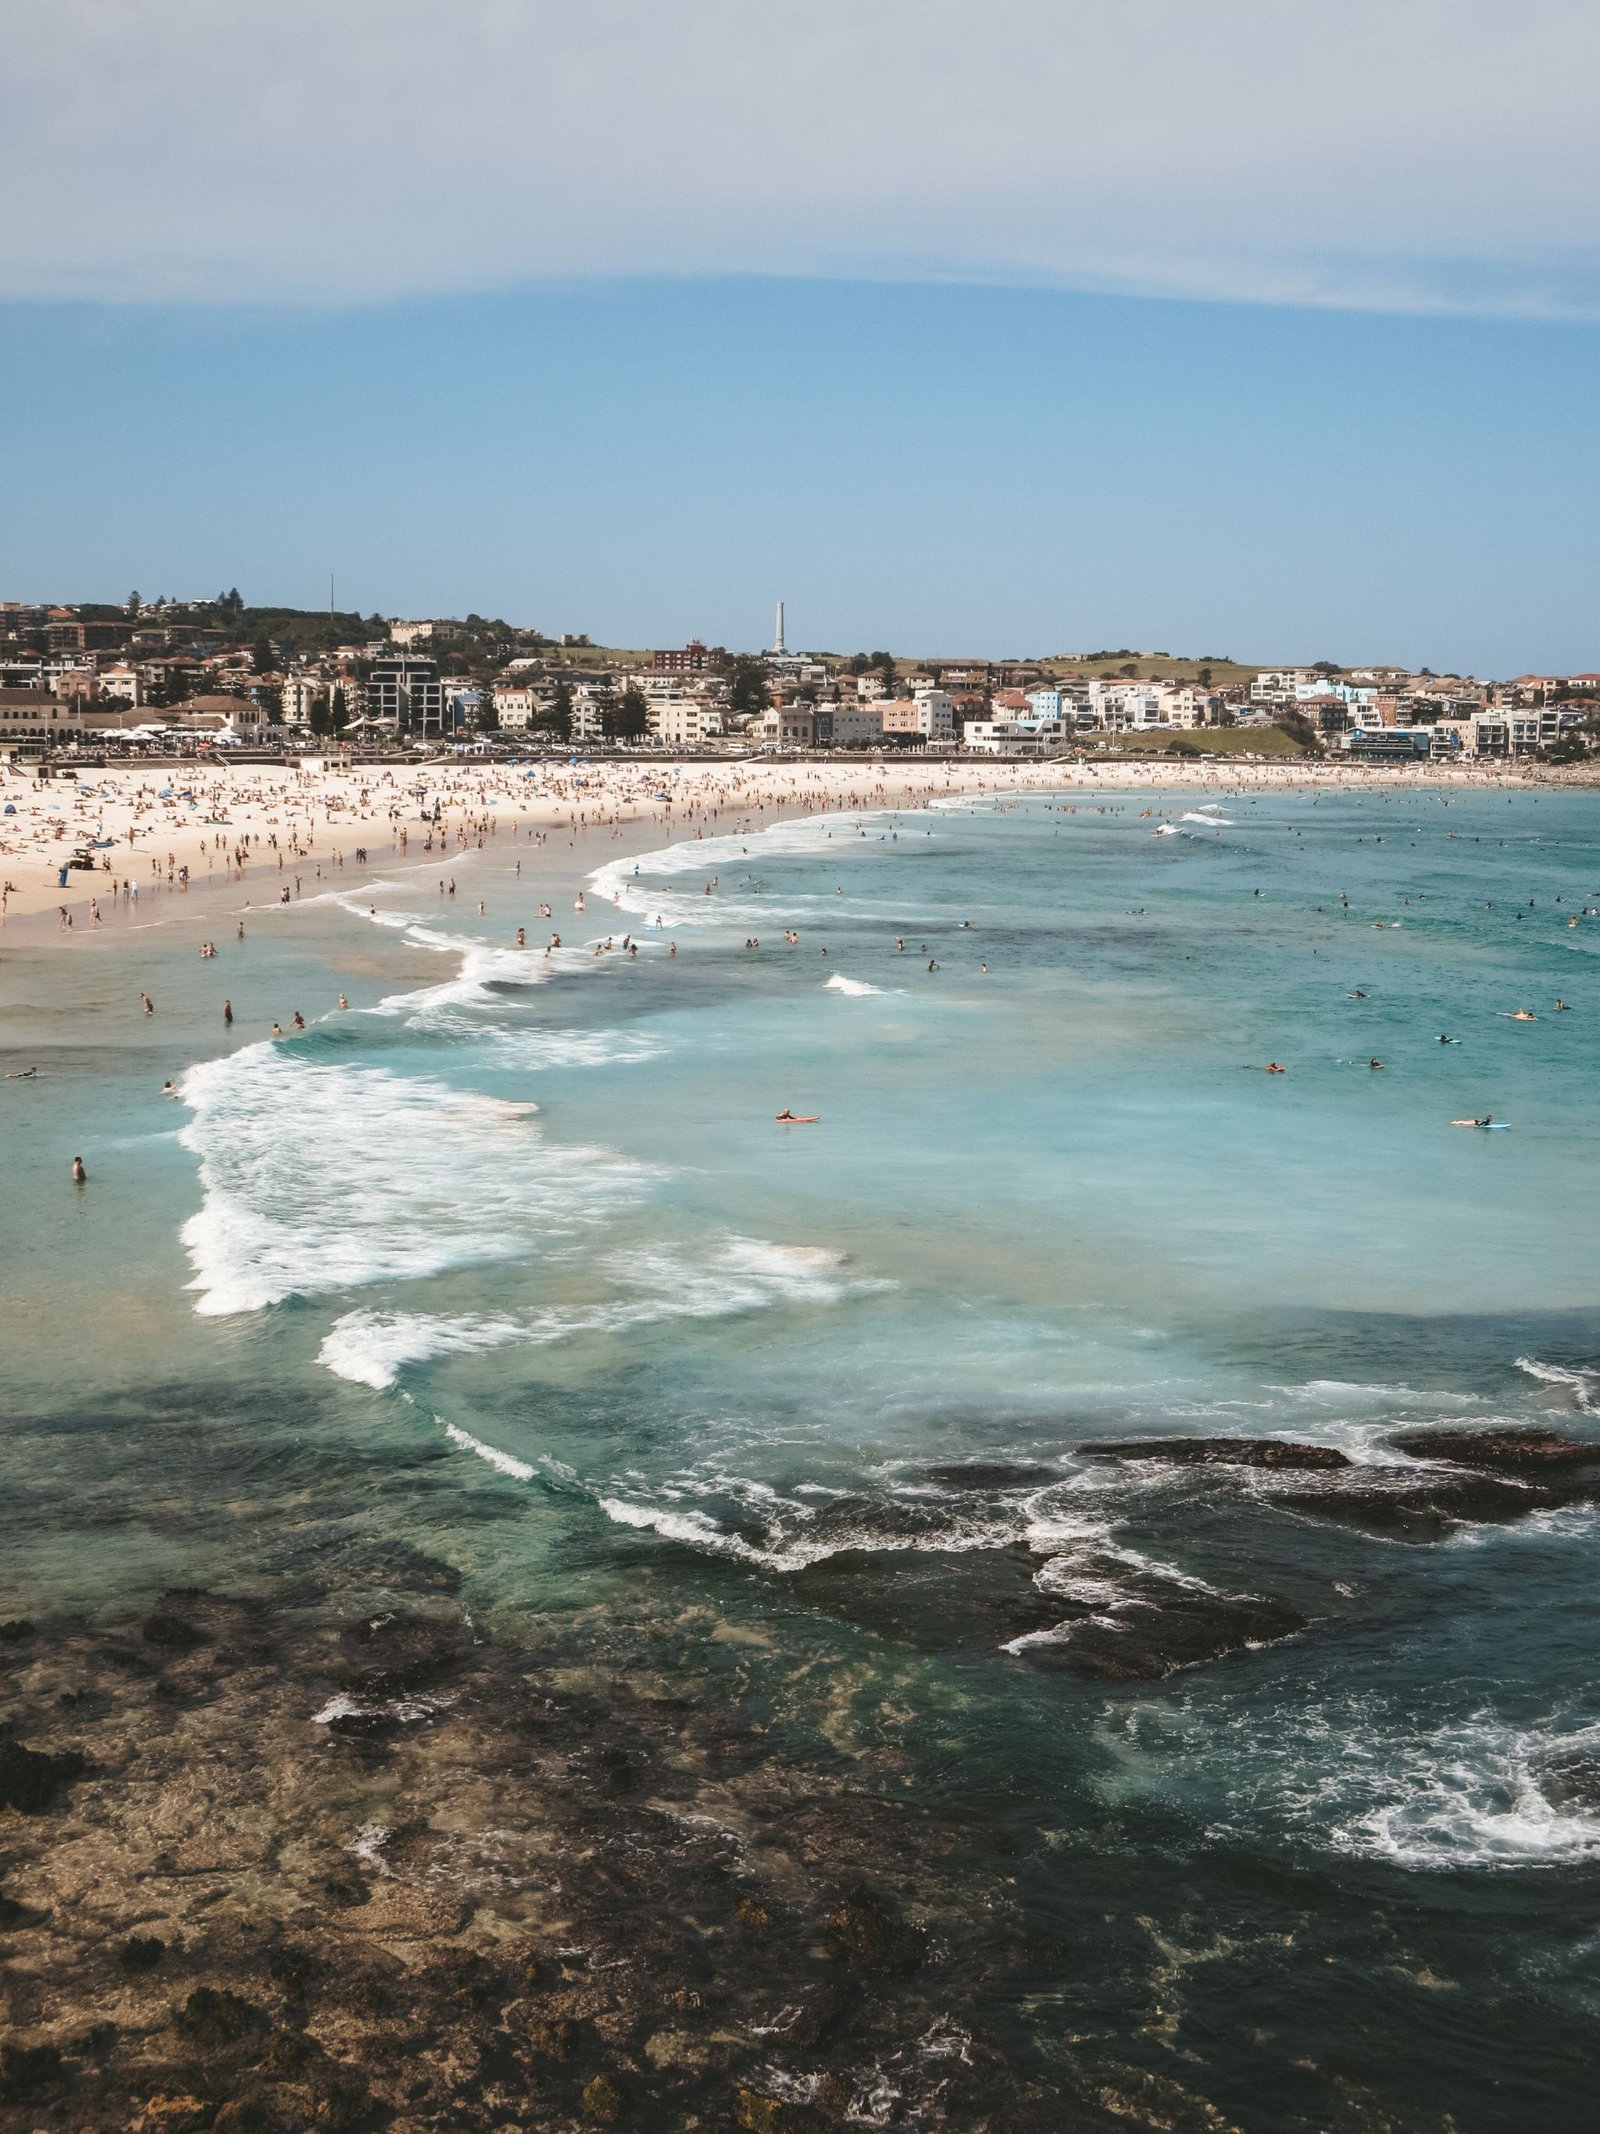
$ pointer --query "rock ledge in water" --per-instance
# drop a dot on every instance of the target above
(1220, 1452)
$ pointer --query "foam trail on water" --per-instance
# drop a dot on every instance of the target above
(838, 983)
(502, 1462)
(741, 1274)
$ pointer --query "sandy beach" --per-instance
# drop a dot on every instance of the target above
(156, 831)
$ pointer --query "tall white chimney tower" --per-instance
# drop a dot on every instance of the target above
(778, 644)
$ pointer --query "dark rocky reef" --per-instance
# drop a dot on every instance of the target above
(1523, 1450)
(1095, 1614)
(1274, 1452)
(296, 1865)
(1451, 1478)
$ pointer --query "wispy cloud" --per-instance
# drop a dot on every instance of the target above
(1390, 154)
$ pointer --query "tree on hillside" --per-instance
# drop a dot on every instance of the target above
(266, 660)
(556, 717)
(1299, 728)
(628, 719)
(747, 685)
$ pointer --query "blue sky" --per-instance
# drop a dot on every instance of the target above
(1201, 325)
(944, 468)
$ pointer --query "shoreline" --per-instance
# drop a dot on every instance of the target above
(168, 840)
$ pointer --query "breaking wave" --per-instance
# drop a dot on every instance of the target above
(319, 1177)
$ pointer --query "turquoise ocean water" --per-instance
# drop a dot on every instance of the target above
(511, 1262)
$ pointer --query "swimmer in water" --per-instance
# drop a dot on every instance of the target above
(1563, 1007)
(786, 1117)
(227, 1014)
(169, 1089)
(277, 1030)
(21, 1074)
(1358, 995)
(80, 1176)
(1375, 1063)
(1272, 1067)
(343, 1002)
(299, 1020)
(1486, 1120)
(1449, 1040)
(1522, 1015)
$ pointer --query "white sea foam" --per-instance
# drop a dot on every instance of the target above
(1469, 1795)
(371, 1347)
(651, 1284)
(734, 1515)
(838, 983)
(637, 885)
(1581, 1384)
(319, 1177)
(503, 1462)
(534, 1050)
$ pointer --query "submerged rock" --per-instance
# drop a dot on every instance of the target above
(1220, 1452)
(1572, 1781)
(992, 1474)
(1143, 1624)
(872, 1932)
(29, 2073)
(1412, 1504)
(30, 1779)
(1522, 1450)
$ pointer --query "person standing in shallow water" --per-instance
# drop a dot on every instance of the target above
(80, 1176)
(227, 1014)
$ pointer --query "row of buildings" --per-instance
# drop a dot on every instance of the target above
(70, 677)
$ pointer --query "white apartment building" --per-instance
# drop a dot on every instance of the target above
(1122, 706)
(785, 726)
(1018, 737)
(301, 697)
(1287, 685)
(122, 682)
(685, 723)
(1186, 708)
(515, 707)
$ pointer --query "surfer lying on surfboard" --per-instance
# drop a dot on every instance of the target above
(788, 1118)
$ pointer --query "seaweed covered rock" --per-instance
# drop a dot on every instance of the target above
(30, 1779)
